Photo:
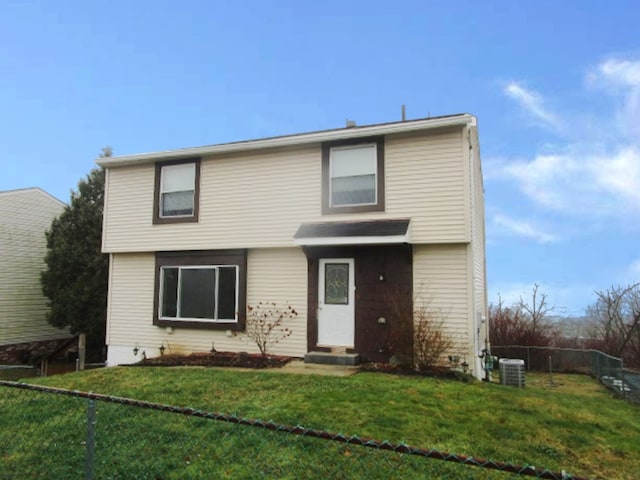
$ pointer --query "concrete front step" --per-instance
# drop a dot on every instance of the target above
(331, 358)
(297, 366)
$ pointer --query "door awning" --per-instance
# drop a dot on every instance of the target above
(371, 232)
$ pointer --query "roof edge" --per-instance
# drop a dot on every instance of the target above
(32, 189)
(292, 140)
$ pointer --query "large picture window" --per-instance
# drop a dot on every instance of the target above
(199, 293)
(201, 289)
(177, 192)
(353, 176)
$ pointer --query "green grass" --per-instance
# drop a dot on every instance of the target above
(13, 374)
(576, 426)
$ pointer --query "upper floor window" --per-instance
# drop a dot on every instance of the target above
(353, 176)
(177, 192)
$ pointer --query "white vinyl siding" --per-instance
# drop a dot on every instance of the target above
(259, 199)
(280, 275)
(25, 215)
(273, 275)
(130, 307)
(440, 285)
(425, 177)
(478, 238)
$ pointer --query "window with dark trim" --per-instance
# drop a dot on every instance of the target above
(353, 176)
(177, 191)
(201, 289)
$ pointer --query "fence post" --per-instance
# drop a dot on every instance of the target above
(624, 393)
(91, 437)
(82, 350)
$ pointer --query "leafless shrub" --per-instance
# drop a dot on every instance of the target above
(264, 324)
(416, 337)
(431, 342)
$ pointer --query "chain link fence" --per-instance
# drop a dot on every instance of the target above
(607, 369)
(54, 433)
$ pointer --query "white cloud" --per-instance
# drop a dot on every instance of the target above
(503, 224)
(621, 78)
(533, 103)
(633, 272)
(581, 181)
(585, 175)
(620, 175)
(493, 168)
(625, 73)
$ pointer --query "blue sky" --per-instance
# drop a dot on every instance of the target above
(555, 87)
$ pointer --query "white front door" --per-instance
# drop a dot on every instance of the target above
(336, 302)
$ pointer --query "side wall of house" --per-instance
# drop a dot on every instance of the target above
(259, 199)
(440, 279)
(480, 314)
(25, 215)
(273, 275)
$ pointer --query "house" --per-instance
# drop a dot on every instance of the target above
(25, 216)
(328, 222)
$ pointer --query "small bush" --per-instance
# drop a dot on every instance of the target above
(430, 340)
(416, 337)
(264, 324)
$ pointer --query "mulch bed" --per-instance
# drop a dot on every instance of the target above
(257, 361)
(434, 372)
(217, 359)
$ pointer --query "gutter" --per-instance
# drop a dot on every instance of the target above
(292, 140)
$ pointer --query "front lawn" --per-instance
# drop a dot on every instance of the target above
(575, 425)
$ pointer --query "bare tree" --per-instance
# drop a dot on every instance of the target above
(523, 323)
(507, 327)
(537, 311)
(616, 321)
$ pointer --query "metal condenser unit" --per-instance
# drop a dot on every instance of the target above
(512, 372)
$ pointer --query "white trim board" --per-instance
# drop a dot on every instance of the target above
(380, 240)
(291, 140)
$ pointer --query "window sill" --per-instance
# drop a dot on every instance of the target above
(205, 325)
(326, 210)
(166, 220)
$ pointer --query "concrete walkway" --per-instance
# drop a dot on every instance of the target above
(299, 367)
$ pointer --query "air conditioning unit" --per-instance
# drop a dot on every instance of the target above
(511, 372)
